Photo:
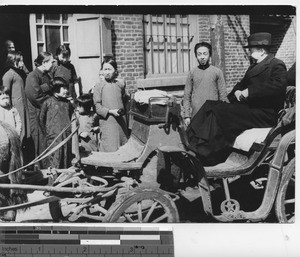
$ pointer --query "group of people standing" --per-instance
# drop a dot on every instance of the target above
(45, 101)
(40, 105)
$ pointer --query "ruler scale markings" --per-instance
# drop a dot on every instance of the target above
(151, 249)
(117, 249)
(105, 249)
(57, 241)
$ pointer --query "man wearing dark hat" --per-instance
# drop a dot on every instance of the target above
(254, 103)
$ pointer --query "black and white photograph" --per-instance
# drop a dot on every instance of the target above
(148, 117)
(147, 114)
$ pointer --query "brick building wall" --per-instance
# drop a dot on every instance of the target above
(285, 39)
(127, 38)
(204, 28)
(236, 31)
(127, 41)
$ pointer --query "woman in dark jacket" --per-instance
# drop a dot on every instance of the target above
(254, 103)
(37, 90)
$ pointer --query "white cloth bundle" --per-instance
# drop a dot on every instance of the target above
(143, 96)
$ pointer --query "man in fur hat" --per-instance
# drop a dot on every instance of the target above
(254, 103)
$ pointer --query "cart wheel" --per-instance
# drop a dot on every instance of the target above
(285, 202)
(61, 210)
(144, 206)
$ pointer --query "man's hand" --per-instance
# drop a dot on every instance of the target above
(95, 129)
(242, 96)
(187, 121)
(84, 134)
(238, 94)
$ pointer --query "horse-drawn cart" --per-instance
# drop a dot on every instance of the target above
(116, 187)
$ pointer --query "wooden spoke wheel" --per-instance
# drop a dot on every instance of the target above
(71, 208)
(144, 206)
(285, 202)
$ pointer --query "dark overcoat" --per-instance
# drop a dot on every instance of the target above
(37, 90)
(217, 124)
(54, 116)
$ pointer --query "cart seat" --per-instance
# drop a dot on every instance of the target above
(123, 159)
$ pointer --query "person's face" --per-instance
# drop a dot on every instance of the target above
(63, 92)
(63, 58)
(256, 53)
(202, 55)
(108, 71)
(47, 64)
(20, 64)
(11, 46)
(81, 109)
(4, 99)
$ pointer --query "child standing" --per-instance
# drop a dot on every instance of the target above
(63, 65)
(55, 114)
(9, 114)
(108, 99)
(88, 124)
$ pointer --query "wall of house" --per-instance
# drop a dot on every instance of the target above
(236, 30)
(127, 38)
(285, 39)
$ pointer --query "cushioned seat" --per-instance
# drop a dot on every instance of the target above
(247, 138)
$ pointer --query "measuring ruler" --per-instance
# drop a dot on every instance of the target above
(70, 241)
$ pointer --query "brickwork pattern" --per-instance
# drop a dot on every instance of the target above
(204, 28)
(285, 40)
(127, 40)
(236, 31)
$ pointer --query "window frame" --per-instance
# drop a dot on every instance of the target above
(152, 79)
(34, 24)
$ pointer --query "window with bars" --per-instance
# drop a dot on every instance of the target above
(52, 30)
(167, 44)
